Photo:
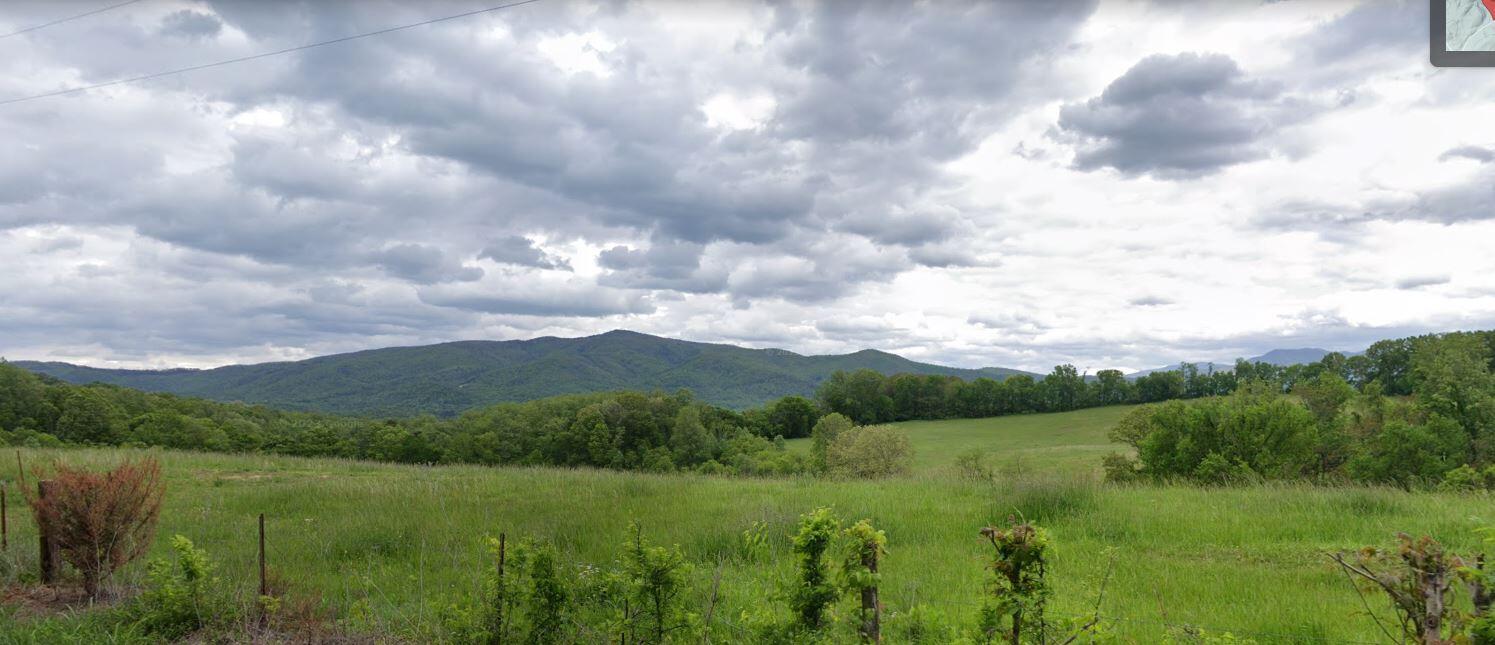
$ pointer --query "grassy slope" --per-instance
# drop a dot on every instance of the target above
(1069, 443)
(399, 540)
(451, 377)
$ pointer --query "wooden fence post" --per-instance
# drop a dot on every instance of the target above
(264, 578)
(50, 555)
(4, 525)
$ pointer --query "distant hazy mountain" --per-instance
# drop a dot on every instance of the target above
(1282, 357)
(448, 378)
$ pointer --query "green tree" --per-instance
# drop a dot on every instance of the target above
(689, 440)
(827, 429)
(1452, 379)
(792, 417)
(1112, 388)
(88, 417)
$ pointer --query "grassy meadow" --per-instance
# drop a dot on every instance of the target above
(387, 546)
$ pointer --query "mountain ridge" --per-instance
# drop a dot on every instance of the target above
(448, 378)
(1280, 357)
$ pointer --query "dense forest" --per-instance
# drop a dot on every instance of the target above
(1342, 415)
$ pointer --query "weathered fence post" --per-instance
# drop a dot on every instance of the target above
(264, 579)
(50, 555)
(20, 470)
(871, 609)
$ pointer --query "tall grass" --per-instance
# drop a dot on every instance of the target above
(388, 546)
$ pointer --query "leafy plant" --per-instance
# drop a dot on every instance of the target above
(182, 595)
(1017, 591)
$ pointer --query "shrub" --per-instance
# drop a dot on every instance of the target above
(869, 452)
(101, 521)
(181, 595)
(1120, 468)
(971, 465)
(1406, 454)
(548, 597)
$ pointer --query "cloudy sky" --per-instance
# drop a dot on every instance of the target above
(1112, 184)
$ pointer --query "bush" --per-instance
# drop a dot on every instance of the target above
(870, 452)
(814, 592)
(971, 465)
(1120, 468)
(181, 595)
(101, 521)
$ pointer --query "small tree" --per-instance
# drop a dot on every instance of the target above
(655, 579)
(1017, 592)
(101, 521)
(814, 591)
(826, 430)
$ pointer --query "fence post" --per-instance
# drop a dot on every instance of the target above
(50, 555)
(871, 609)
(503, 592)
(4, 525)
(264, 579)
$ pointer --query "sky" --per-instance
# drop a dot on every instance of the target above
(1018, 184)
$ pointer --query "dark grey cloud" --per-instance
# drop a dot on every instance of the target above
(1418, 281)
(521, 251)
(539, 300)
(191, 24)
(1481, 154)
(424, 265)
(1178, 115)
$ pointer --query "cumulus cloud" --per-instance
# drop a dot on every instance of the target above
(1187, 114)
(821, 175)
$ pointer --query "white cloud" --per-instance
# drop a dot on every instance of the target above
(820, 177)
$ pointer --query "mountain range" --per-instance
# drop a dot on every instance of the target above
(448, 378)
(1282, 357)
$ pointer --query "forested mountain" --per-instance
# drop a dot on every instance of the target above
(448, 378)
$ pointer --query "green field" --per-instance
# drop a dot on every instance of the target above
(387, 546)
(1068, 443)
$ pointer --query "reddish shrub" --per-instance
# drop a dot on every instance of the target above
(101, 521)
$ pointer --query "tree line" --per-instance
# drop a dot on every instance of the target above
(1415, 411)
(669, 431)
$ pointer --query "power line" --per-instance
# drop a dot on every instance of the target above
(67, 19)
(241, 59)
